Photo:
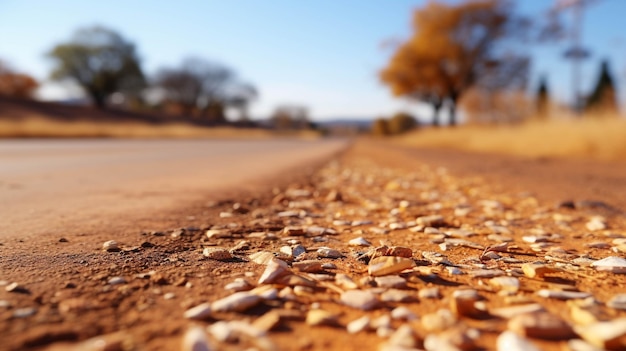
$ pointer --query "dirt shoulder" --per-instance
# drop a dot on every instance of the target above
(549, 179)
(441, 244)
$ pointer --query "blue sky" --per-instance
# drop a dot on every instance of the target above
(324, 54)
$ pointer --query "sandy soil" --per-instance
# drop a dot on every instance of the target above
(68, 298)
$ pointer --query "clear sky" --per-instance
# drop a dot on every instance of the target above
(324, 54)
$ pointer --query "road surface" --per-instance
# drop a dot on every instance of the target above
(50, 186)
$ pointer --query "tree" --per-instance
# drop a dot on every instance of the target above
(291, 117)
(240, 98)
(206, 87)
(401, 122)
(380, 127)
(101, 61)
(14, 84)
(543, 98)
(602, 98)
(453, 48)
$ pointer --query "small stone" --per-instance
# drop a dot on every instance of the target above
(541, 325)
(111, 246)
(386, 265)
(399, 251)
(436, 258)
(512, 311)
(24, 312)
(218, 233)
(326, 252)
(309, 266)
(486, 273)
(466, 303)
(169, 296)
(116, 281)
(289, 214)
(429, 293)
(449, 340)
(16, 288)
(361, 299)
(441, 320)
(404, 337)
(317, 231)
(267, 321)
(532, 270)
(390, 281)
(340, 222)
(63, 240)
(320, 317)
(562, 295)
(611, 264)
(261, 257)
(395, 295)
(358, 325)
(216, 253)
(239, 284)
(596, 223)
(403, 313)
(360, 241)
(508, 284)
(294, 231)
(598, 245)
(383, 321)
(581, 345)
(618, 302)
(223, 331)
(609, 335)
(333, 196)
(397, 225)
(453, 242)
(236, 302)
(509, 341)
(298, 250)
(195, 339)
(345, 281)
(377, 230)
(586, 311)
(265, 292)
(430, 221)
(275, 270)
(454, 271)
(199, 312)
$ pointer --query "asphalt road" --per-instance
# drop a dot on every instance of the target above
(48, 186)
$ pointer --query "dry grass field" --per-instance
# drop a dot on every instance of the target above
(37, 127)
(602, 138)
(33, 119)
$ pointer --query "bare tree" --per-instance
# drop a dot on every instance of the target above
(206, 87)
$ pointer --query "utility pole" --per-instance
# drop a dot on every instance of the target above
(576, 53)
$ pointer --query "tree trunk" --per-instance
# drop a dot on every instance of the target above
(99, 99)
(453, 116)
(436, 109)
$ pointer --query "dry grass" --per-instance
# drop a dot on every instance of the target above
(37, 127)
(596, 138)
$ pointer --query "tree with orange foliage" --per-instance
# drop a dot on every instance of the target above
(16, 84)
(453, 48)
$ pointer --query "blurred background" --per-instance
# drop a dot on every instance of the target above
(531, 77)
